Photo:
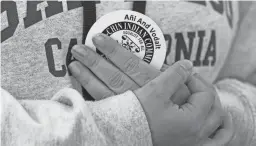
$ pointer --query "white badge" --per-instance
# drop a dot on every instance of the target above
(135, 32)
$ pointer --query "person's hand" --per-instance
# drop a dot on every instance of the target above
(124, 71)
(227, 123)
(87, 77)
(193, 123)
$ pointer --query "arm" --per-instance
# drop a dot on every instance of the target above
(237, 77)
(119, 120)
(67, 120)
(241, 62)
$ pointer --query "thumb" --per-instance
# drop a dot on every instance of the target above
(168, 82)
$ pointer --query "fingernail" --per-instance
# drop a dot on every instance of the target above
(187, 65)
(74, 68)
(98, 39)
(79, 50)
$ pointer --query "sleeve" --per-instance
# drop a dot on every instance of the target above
(239, 99)
(240, 63)
(68, 120)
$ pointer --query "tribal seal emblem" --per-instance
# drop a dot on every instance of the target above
(135, 32)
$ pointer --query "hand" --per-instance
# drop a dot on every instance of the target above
(87, 77)
(125, 71)
(190, 124)
(225, 130)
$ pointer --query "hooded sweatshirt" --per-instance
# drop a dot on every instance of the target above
(36, 39)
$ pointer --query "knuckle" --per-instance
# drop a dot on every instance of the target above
(180, 73)
(116, 80)
(90, 59)
(131, 65)
(112, 51)
(93, 61)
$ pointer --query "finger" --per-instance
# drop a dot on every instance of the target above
(105, 71)
(181, 96)
(195, 85)
(200, 102)
(212, 122)
(225, 133)
(164, 67)
(198, 84)
(168, 82)
(138, 70)
(89, 81)
(206, 83)
(204, 86)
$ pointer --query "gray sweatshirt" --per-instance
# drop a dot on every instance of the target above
(37, 38)
(67, 119)
(35, 41)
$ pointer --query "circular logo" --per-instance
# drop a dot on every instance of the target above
(135, 32)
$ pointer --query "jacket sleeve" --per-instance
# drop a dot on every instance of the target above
(68, 120)
(239, 99)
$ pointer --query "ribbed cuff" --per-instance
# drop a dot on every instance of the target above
(239, 99)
